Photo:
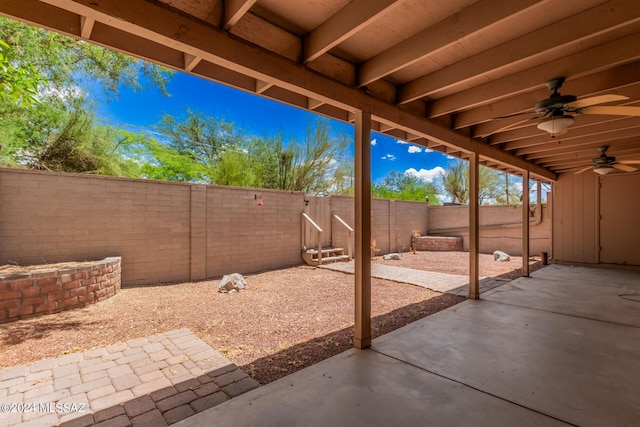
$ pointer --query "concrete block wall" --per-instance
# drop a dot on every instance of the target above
(169, 232)
(393, 222)
(47, 217)
(164, 231)
(244, 236)
(500, 228)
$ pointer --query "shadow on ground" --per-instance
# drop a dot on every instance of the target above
(16, 333)
(295, 358)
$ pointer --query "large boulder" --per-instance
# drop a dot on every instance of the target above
(232, 283)
(501, 256)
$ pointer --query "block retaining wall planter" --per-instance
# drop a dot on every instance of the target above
(50, 291)
(439, 243)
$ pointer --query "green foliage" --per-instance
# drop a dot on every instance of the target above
(233, 169)
(44, 118)
(62, 60)
(316, 165)
(405, 187)
(202, 138)
(455, 183)
(81, 146)
(18, 85)
(161, 161)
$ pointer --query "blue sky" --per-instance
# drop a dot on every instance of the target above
(138, 111)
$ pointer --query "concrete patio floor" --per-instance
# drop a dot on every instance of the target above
(559, 348)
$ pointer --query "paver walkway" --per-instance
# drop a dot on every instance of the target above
(441, 282)
(153, 381)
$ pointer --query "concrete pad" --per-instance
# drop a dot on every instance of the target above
(577, 291)
(579, 370)
(364, 388)
(454, 284)
(440, 282)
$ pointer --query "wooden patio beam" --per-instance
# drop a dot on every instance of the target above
(474, 227)
(525, 223)
(362, 329)
(345, 23)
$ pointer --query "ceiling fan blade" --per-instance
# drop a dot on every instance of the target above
(587, 102)
(619, 110)
(629, 162)
(584, 170)
(624, 167)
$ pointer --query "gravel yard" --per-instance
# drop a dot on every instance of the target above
(285, 320)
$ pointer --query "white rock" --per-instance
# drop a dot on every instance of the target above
(232, 283)
(501, 256)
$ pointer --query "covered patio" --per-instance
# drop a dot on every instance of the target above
(461, 77)
(557, 348)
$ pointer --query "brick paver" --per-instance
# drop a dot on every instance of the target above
(156, 380)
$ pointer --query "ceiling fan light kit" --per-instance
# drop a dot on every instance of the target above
(603, 170)
(605, 164)
(556, 125)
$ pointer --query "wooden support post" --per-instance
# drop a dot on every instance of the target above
(525, 223)
(362, 333)
(474, 220)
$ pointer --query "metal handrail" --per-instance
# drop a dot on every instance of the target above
(349, 231)
(318, 235)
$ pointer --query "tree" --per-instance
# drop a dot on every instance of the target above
(201, 137)
(401, 186)
(64, 61)
(318, 165)
(161, 161)
(455, 183)
(42, 108)
(315, 166)
(233, 169)
(18, 85)
(84, 147)
(511, 192)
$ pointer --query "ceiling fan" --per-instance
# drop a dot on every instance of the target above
(604, 164)
(557, 112)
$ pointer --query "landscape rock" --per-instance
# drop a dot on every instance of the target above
(501, 256)
(392, 256)
(232, 283)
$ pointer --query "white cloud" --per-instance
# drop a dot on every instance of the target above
(451, 157)
(388, 157)
(414, 149)
(427, 175)
(374, 142)
(399, 141)
(333, 162)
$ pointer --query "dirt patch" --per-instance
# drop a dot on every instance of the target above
(284, 321)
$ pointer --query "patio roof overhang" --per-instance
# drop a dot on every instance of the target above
(451, 76)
